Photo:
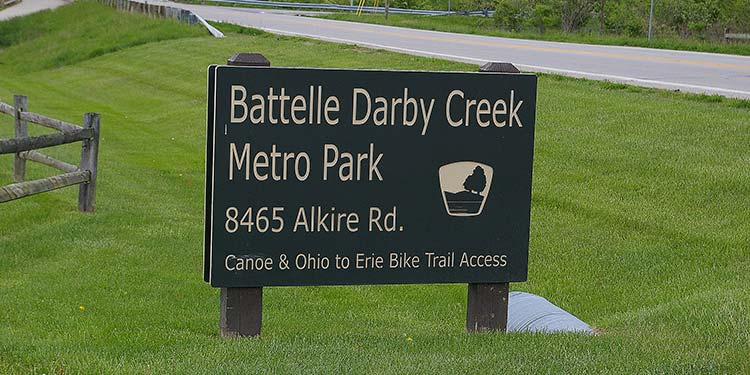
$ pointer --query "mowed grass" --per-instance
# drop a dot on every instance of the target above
(78, 32)
(640, 226)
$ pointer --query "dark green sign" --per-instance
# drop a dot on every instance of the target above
(326, 177)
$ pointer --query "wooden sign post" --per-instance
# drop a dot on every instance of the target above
(487, 304)
(242, 308)
(353, 177)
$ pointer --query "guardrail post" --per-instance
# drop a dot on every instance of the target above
(21, 130)
(89, 161)
(242, 308)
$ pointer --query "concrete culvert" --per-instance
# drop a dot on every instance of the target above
(531, 313)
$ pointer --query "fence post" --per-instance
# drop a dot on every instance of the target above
(21, 130)
(89, 159)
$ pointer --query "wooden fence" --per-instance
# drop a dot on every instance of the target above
(23, 147)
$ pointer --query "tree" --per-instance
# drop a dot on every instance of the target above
(477, 181)
(602, 16)
(483, 5)
(575, 13)
(543, 15)
(628, 17)
(511, 14)
(688, 17)
(736, 15)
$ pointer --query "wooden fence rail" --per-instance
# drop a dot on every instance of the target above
(14, 145)
(23, 146)
(49, 122)
(48, 161)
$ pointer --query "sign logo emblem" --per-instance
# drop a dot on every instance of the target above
(465, 186)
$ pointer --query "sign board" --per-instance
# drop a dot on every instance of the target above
(336, 177)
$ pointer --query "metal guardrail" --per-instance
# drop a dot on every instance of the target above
(162, 11)
(734, 36)
(5, 3)
(370, 9)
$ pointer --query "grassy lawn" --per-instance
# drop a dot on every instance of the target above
(486, 26)
(640, 225)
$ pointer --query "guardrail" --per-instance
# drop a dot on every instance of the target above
(5, 3)
(353, 8)
(728, 37)
(23, 147)
(162, 11)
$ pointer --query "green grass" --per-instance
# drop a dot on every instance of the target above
(639, 226)
(486, 26)
(78, 32)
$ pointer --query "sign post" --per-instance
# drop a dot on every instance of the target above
(487, 304)
(345, 177)
(241, 309)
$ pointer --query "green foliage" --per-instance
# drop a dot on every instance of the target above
(736, 14)
(488, 26)
(688, 17)
(543, 16)
(480, 5)
(512, 14)
(575, 13)
(702, 19)
(627, 17)
(517, 15)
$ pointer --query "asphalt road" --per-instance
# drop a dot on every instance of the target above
(28, 7)
(675, 70)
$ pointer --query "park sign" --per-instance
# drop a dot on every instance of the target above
(338, 177)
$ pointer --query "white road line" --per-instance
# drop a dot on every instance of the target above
(623, 79)
(533, 68)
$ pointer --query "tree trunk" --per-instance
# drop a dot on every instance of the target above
(601, 18)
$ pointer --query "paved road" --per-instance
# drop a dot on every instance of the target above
(28, 7)
(676, 70)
